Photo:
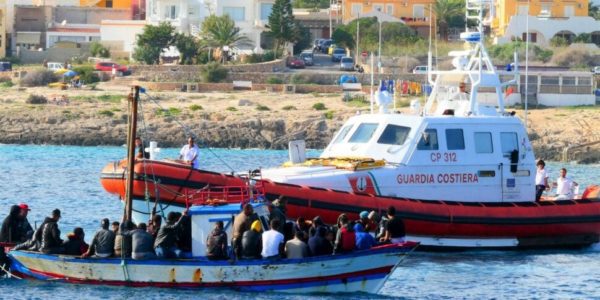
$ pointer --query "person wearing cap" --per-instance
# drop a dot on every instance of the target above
(35, 242)
(364, 221)
(51, 241)
(216, 243)
(252, 241)
(103, 243)
(25, 231)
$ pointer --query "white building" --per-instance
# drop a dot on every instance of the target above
(542, 30)
(187, 15)
(121, 33)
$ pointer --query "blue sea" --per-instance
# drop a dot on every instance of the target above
(68, 178)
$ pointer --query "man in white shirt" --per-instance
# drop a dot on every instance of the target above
(272, 241)
(541, 179)
(564, 186)
(189, 153)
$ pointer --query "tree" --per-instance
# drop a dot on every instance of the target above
(151, 42)
(281, 24)
(188, 48)
(218, 32)
(303, 39)
(446, 12)
(593, 10)
(98, 50)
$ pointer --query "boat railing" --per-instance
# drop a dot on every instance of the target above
(227, 194)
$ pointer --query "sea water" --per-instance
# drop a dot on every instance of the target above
(68, 178)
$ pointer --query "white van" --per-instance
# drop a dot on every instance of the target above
(420, 70)
(55, 66)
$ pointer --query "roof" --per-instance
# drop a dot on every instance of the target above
(72, 29)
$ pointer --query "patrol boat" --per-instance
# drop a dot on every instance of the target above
(460, 170)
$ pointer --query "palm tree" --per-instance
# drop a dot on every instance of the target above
(444, 11)
(218, 32)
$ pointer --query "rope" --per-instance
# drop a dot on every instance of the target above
(9, 273)
(189, 132)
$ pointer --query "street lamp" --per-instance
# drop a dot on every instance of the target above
(379, 49)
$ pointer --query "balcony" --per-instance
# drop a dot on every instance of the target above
(416, 21)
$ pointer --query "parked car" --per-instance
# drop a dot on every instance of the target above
(337, 54)
(596, 70)
(296, 63)
(55, 66)
(308, 57)
(347, 63)
(5, 66)
(420, 70)
(107, 66)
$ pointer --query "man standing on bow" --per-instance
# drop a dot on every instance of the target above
(189, 153)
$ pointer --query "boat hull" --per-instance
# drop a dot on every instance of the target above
(433, 223)
(362, 271)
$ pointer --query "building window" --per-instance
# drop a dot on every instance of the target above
(455, 139)
(429, 140)
(363, 133)
(509, 142)
(236, 13)
(483, 142)
(584, 81)
(356, 10)
(568, 80)
(522, 10)
(546, 10)
(418, 11)
(109, 3)
(171, 12)
(389, 9)
(394, 135)
(550, 80)
(532, 37)
(569, 11)
(378, 7)
(265, 11)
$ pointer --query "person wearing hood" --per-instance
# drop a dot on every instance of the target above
(216, 243)
(318, 243)
(364, 240)
(9, 232)
(252, 241)
(51, 241)
(75, 243)
(35, 242)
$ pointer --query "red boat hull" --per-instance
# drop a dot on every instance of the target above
(546, 223)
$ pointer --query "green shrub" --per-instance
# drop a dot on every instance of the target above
(558, 41)
(98, 50)
(36, 99)
(231, 108)
(299, 79)
(110, 98)
(319, 106)
(213, 72)
(195, 107)
(329, 115)
(39, 77)
(106, 113)
(169, 112)
(6, 84)
(274, 80)
(87, 74)
(262, 108)
(289, 107)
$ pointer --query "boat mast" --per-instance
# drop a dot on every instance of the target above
(134, 97)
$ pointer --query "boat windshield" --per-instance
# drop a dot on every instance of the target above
(394, 135)
(342, 134)
(363, 133)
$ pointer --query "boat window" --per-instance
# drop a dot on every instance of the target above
(455, 139)
(342, 134)
(363, 133)
(483, 142)
(394, 135)
(429, 140)
(509, 142)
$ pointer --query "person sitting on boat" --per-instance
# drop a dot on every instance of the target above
(319, 244)
(365, 221)
(75, 243)
(276, 213)
(141, 152)
(303, 225)
(51, 241)
(189, 153)
(35, 242)
(364, 240)
(24, 229)
(394, 229)
(216, 243)
(564, 186)
(142, 242)
(184, 237)
(114, 226)
(272, 241)
(123, 243)
(155, 222)
(315, 224)
(241, 223)
(541, 179)
(296, 247)
(103, 243)
(9, 231)
(374, 220)
(252, 241)
(345, 239)
(165, 245)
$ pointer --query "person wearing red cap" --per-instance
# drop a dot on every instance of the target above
(24, 229)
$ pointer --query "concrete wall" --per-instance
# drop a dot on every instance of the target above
(122, 32)
(566, 99)
(89, 15)
(51, 54)
(31, 18)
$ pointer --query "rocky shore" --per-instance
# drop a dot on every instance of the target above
(240, 120)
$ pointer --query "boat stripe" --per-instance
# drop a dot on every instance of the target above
(375, 183)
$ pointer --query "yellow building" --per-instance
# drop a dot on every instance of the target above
(546, 9)
(415, 13)
(107, 3)
(2, 28)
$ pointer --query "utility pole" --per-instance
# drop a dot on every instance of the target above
(357, 37)
(330, 22)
